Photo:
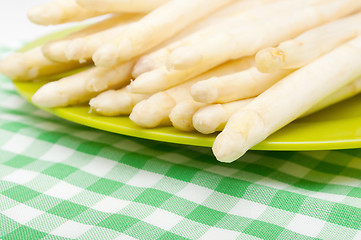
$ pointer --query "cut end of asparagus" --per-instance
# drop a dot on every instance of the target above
(49, 96)
(228, 146)
(106, 56)
(183, 58)
(269, 60)
(204, 92)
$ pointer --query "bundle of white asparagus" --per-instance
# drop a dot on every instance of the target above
(243, 67)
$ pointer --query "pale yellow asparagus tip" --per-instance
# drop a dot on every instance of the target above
(60, 11)
(94, 85)
(181, 123)
(72, 51)
(243, 130)
(13, 66)
(142, 66)
(116, 102)
(183, 58)
(111, 53)
(106, 56)
(181, 115)
(206, 121)
(226, 147)
(154, 111)
(214, 117)
(204, 92)
(270, 60)
(82, 48)
(55, 50)
(39, 15)
(153, 60)
(149, 82)
(50, 96)
(111, 103)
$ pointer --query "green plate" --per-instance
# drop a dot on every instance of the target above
(336, 127)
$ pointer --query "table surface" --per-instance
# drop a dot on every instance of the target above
(61, 180)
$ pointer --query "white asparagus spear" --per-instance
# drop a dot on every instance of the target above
(214, 117)
(236, 40)
(104, 78)
(33, 64)
(60, 11)
(81, 87)
(64, 92)
(155, 110)
(116, 102)
(345, 92)
(120, 102)
(160, 79)
(157, 80)
(182, 114)
(156, 27)
(287, 100)
(120, 5)
(149, 62)
(244, 84)
(305, 48)
(81, 46)
(156, 59)
(163, 78)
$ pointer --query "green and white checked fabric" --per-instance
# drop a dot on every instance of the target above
(60, 180)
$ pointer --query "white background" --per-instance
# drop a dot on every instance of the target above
(15, 28)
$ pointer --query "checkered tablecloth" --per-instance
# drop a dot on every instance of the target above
(61, 180)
